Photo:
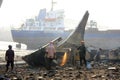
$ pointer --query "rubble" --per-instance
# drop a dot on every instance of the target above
(103, 72)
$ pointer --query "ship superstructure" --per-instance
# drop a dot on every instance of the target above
(43, 28)
(45, 21)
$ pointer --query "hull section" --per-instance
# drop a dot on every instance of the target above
(36, 39)
(109, 39)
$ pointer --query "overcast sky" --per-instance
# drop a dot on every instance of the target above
(105, 12)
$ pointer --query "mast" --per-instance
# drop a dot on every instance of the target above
(1, 2)
(52, 4)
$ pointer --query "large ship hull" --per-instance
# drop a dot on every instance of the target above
(109, 39)
(35, 39)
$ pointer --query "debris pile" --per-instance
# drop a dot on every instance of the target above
(99, 71)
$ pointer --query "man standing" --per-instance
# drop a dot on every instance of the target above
(9, 57)
(50, 54)
(82, 53)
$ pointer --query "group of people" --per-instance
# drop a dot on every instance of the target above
(51, 54)
(9, 56)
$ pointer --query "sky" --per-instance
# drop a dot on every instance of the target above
(105, 12)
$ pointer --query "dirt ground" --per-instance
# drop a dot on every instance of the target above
(98, 71)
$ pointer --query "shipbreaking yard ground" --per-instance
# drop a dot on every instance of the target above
(104, 70)
(99, 71)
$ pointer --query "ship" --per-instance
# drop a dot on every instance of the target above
(38, 31)
(35, 38)
(106, 39)
(46, 26)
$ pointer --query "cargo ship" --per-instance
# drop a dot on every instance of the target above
(46, 26)
(38, 31)
(36, 38)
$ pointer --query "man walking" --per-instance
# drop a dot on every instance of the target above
(82, 53)
(9, 57)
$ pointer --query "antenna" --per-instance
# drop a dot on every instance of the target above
(52, 4)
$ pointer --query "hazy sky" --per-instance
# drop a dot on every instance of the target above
(105, 12)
